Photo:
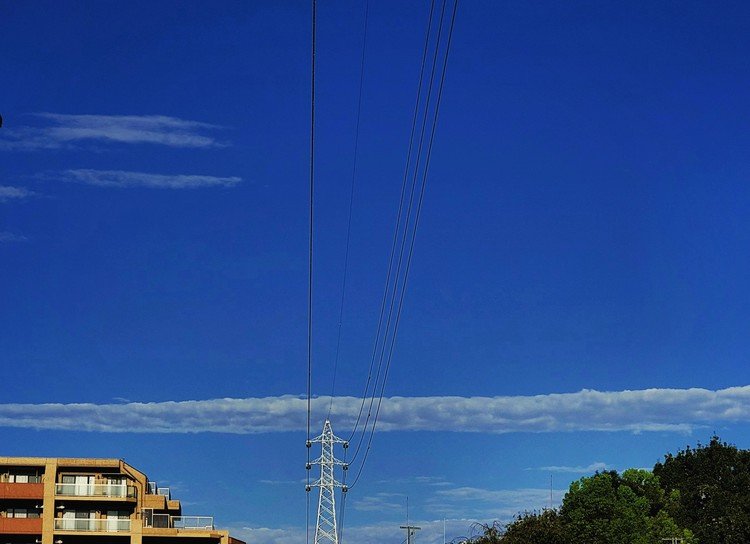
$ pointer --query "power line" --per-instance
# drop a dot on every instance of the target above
(383, 303)
(410, 252)
(407, 216)
(351, 203)
(419, 210)
(310, 258)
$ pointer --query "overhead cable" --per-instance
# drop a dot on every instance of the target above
(394, 242)
(410, 251)
(310, 260)
(351, 203)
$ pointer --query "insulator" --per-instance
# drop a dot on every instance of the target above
(308, 466)
(344, 489)
(346, 445)
(308, 488)
(308, 444)
(345, 467)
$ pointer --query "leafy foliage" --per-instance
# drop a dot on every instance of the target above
(700, 495)
(488, 534)
(619, 509)
(710, 486)
(534, 527)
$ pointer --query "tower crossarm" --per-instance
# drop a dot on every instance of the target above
(334, 461)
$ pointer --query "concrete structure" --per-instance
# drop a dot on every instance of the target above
(93, 501)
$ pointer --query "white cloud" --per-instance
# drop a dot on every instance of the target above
(7, 237)
(120, 178)
(380, 502)
(492, 504)
(267, 535)
(674, 410)
(8, 192)
(456, 528)
(593, 467)
(416, 480)
(63, 130)
(376, 533)
(301, 481)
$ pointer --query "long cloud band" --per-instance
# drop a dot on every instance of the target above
(676, 410)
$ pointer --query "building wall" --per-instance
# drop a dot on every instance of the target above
(81, 501)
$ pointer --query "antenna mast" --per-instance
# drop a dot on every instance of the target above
(325, 528)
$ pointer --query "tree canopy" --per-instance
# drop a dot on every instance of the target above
(700, 495)
(712, 486)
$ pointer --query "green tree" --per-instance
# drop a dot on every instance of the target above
(613, 509)
(709, 486)
(599, 509)
(543, 527)
(488, 534)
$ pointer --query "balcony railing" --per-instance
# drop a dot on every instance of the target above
(93, 525)
(96, 490)
(154, 489)
(193, 523)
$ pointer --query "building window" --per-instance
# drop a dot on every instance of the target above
(24, 478)
(22, 513)
(76, 484)
(116, 486)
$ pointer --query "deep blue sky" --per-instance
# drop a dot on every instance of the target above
(585, 227)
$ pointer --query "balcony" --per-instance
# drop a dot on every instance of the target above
(205, 523)
(189, 523)
(112, 491)
(21, 526)
(93, 525)
(154, 489)
(21, 491)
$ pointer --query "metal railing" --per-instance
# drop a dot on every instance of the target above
(165, 521)
(193, 522)
(154, 489)
(95, 490)
(94, 525)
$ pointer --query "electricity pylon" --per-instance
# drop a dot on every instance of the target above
(325, 528)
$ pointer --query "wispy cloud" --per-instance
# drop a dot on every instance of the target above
(120, 178)
(300, 481)
(674, 410)
(461, 508)
(593, 467)
(501, 504)
(268, 535)
(373, 533)
(8, 237)
(418, 480)
(8, 192)
(380, 502)
(63, 130)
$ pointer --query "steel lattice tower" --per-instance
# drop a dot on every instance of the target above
(326, 529)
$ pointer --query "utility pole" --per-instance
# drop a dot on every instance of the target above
(325, 527)
(550, 491)
(410, 530)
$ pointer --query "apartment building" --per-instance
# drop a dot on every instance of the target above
(93, 501)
